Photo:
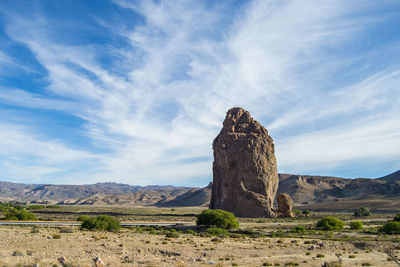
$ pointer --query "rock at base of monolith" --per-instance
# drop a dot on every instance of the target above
(285, 205)
(245, 178)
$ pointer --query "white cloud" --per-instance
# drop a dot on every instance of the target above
(185, 66)
(25, 157)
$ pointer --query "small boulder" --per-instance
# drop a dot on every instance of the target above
(62, 260)
(285, 205)
(98, 262)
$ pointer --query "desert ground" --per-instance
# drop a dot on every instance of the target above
(258, 242)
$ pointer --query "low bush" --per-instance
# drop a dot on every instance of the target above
(297, 212)
(397, 218)
(217, 231)
(217, 218)
(102, 222)
(390, 228)
(14, 214)
(356, 225)
(56, 237)
(172, 235)
(330, 224)
(83, 218)
(362, 212)
(36, 207)
(299, 229)
(66, 230)
(205, 234)
(53, 207)
(306, 212)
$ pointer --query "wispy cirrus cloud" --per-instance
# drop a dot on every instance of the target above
(154, 100)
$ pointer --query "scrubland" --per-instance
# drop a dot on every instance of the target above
(258, 242)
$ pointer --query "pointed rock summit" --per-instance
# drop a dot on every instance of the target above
(245, 178)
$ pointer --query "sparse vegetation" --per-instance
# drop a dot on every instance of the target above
(56, 236)
(333, 264)
(83, 218)
(391, 228)
(306, 212)
(362, 212)
(18, 253)
(15, 214)
(299, 230)
(218, 231)
(217, 218)
(330, 224)
(254, 244)
(65, 230)
(102, 222)
(297, 212)
(356, 225)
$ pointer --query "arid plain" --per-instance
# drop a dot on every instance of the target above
(258, 242)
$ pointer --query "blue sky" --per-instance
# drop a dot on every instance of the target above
(136, 91)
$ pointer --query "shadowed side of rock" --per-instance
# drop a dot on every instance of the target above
(245, 178)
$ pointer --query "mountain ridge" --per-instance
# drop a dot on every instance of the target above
(307, 191)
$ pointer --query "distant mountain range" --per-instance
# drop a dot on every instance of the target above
(312, 192)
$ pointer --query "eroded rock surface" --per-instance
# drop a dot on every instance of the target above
(245, 178)
(285, 205)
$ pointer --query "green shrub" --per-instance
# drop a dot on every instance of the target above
(36, 207)
(391, 228)
(56, 237)
(356, 225)
(217, 218)
(397, 218)
(217, 231)
(297, 212)
(53, 207)
(65, 230)
(14, 214)
(330, 224)
(320, 256)
(306, 212)
(102, 222)
(6, 206)
(83, 218)
(299, 229)
(172, 235)
(362, 212)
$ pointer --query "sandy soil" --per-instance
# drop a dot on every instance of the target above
(129, 248)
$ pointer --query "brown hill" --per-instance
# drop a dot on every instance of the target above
(308, 192)
(306, 189)
(140, 198)
(193, 197)
(50, 193)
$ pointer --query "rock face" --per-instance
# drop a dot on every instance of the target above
(285, 205)
(245, 178)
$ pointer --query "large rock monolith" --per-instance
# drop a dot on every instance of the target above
(245, 178)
